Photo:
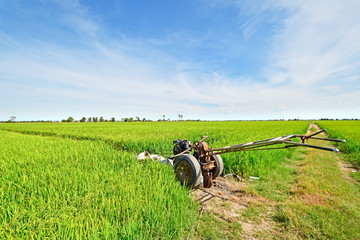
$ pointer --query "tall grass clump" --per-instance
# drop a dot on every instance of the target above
(55, 188)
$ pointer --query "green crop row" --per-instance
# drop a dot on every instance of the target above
(348, 130)
(56, 188)
(137, 137)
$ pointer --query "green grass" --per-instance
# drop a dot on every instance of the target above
(138, 136)
(211, 227)
(60, 188)
(323, 204)
(277, 182)
(81, 180)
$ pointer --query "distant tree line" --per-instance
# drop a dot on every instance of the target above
(101, 119)
(336, 119)
(124, 119)
(89, 119)
(138, 119)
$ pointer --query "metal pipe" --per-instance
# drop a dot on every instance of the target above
(295, 144)
(330, 139)
(324, 130)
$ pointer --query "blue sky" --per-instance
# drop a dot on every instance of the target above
(209, 60)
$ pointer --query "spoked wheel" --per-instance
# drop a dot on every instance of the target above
(187, 169)
(219, 168)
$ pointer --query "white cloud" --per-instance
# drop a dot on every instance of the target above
(312, 71)
(320, 42)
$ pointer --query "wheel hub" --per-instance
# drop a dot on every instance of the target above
(184, 172)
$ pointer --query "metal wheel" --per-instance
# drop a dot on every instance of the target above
(219, 166)
(187, 169)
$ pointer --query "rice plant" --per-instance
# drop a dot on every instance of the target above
(60, 188)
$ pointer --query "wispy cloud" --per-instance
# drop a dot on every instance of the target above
(319, 44)
(79, 18)
(309, 69)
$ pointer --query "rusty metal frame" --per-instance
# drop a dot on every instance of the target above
(204, 154)
(285, 141)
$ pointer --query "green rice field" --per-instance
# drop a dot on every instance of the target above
(138, 136)
(82, 180)
(349, 130)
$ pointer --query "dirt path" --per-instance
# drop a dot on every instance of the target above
(229, 202)
(260, 218)
(324, 202)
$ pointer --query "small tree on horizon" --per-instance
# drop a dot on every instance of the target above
(70, 119)
(12, 118)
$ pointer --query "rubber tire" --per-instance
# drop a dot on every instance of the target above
(219, 166)
(194, 166)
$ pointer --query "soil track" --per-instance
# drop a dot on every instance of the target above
(228, 200)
